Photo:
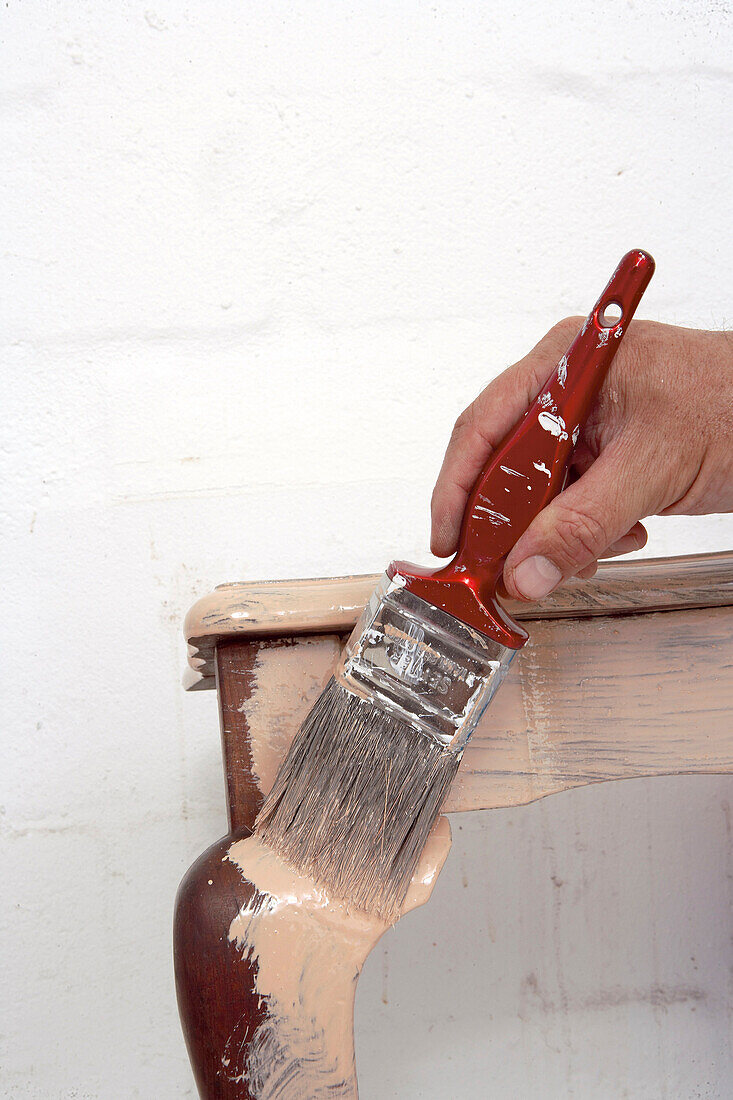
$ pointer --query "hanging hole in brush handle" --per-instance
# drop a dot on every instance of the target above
(610, 315)
(529, 467)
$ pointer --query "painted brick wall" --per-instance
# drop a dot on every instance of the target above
(256, 259)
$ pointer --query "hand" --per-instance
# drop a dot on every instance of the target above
(658, 441)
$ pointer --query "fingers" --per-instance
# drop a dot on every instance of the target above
(633, 540)
(483, 425)
(589, 572)
(594, 517)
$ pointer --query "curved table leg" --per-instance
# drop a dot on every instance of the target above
(266, 972)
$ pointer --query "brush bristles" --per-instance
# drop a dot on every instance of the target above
(355, 799)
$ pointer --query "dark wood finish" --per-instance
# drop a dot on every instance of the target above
(235, 682)
(219, 1008)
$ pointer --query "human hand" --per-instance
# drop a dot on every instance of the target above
(658, 441)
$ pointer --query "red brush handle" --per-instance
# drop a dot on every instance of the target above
(529, 467)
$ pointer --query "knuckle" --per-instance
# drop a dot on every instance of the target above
(464, 421)
(567, 329)
(469, 430)
(570, 323)
(580, 537)
(553, 344)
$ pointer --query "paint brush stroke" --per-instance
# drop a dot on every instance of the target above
(309, 950)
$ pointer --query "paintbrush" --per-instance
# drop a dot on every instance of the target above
(367, 773)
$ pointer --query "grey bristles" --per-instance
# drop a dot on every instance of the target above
(355, 799)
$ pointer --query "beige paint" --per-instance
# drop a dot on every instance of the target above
(309, 950)
(333, 604)
(277, 608)
(585, 701)
(291, 675)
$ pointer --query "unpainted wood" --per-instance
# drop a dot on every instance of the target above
(215, 982)
(235, 682)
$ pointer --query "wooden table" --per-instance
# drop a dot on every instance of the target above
(629, 674)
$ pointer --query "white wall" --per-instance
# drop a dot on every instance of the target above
(257, 257)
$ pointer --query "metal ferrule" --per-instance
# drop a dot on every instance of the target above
(422, 665)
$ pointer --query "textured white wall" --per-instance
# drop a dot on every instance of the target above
(257, 257)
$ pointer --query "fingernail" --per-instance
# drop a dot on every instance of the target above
(536, 577)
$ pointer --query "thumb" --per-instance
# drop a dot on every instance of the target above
(576, 528)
